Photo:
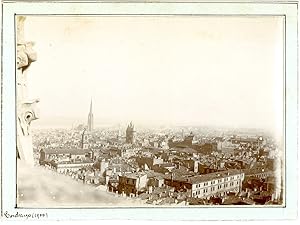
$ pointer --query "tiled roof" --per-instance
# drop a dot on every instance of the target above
(213, 176)
(133, 175)
(151, 173)
(204, 177)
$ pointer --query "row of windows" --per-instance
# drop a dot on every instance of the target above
(220, 194)
(262, 175)
(205, 190)
(130, 181)
(214, 182)
(222, 186)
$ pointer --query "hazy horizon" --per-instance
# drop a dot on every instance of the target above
(68, 123)
(201, 71)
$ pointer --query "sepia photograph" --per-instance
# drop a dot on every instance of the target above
(150, 111)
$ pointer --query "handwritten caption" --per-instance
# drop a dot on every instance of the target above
(26, 215)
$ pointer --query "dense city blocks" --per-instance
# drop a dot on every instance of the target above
(167, 165)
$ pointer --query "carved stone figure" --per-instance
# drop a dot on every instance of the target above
(25, 55)
(26, 108)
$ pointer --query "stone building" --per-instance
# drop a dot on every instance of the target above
(208, 185)
(65, 155)
(216, 184)
(130, 133)
(132, 183)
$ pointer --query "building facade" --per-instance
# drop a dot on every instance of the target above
(72, 167)
(65, 155)
(132, 183)
(216, 184)
(209, 185)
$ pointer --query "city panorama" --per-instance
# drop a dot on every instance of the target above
(149, 111)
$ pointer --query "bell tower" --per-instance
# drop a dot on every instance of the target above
(130, 133)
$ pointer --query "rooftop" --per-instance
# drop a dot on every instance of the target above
(184, 149)
(205, 177)
(75, 162)
(66, 151)
(151, 173)
(133, 175)
(256, 170)
(213, 176)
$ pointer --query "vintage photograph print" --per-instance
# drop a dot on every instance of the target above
(150, 111)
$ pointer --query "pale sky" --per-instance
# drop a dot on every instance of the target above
(178, 70)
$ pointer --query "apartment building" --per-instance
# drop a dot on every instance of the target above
(216, 184)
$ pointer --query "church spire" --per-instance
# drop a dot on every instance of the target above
(91, 117)
(91, 106)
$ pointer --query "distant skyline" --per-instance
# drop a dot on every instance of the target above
(183, 70)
